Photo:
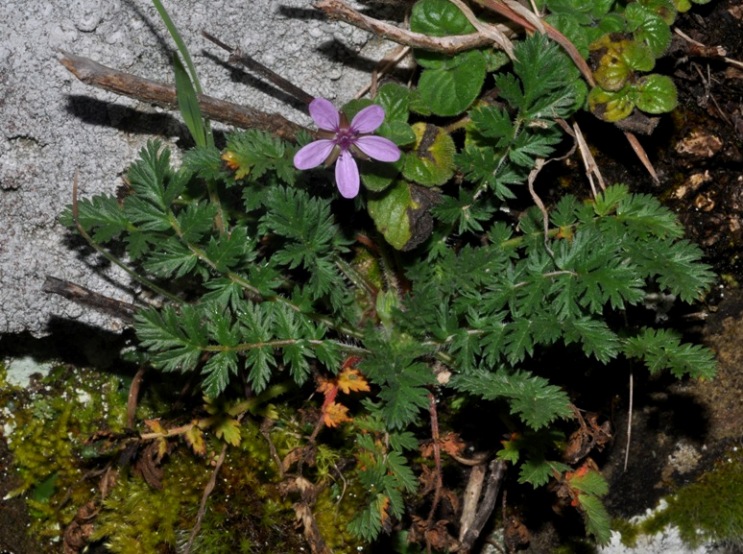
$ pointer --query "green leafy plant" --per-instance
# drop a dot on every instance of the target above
(425, 294)
(623, 40)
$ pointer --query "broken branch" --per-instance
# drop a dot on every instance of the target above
(152, 92)
(339, 9)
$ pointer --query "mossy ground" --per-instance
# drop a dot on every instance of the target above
(70, 447)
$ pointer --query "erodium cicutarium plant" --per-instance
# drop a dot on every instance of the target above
(364, 338)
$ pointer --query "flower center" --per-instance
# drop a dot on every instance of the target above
(345, 138)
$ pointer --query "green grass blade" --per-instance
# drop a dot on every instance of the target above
(188, 104)
(187, 84)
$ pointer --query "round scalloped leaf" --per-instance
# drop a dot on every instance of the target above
(438, 18)
(431, 162)
(395, 99)
(580, 35)
(390, 214)
(610, 69)
(616, 60)
(610, 106)
(378, 176)
(449, 92)
(402, 214)
(648, 27)
(612, 23)
(662, 8)
(656, 94)
(682, 6)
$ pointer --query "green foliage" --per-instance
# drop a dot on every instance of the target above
(427, 289)
(501, 147)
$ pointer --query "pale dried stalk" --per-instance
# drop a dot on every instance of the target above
(339, 9)
(490, 31)
(152, 92)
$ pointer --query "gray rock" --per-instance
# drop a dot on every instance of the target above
(52, 125)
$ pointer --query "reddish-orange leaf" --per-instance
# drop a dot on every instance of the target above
(351, 379)
(384, 516)
(334, 414)
(325, 385)
(452, 444)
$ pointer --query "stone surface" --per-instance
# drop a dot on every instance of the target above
(52, 125)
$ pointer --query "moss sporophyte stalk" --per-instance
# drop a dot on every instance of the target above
(330, 356)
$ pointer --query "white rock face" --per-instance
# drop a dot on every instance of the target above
(52, 125)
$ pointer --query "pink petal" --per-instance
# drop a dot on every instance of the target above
(324, 114)
(347, 175)
(378, 148)
(368, 119)
(313, 154)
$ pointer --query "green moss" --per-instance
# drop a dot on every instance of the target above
(49, 429)
(137, 518)
(628, 531)
(710, 509)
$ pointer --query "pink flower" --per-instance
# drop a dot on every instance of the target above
(342, 141)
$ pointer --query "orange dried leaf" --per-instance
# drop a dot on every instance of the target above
(325, 385)
(351, 379)
(334, 414)
(154, 424)
(384, 516)
(452, 444)
(233, 161)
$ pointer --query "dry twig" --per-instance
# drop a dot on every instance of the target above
(204, 497)
(238, 56)
(339, 9)
(497, 470)
(152, 92)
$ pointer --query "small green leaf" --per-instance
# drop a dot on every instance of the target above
(376, 176)
(610, 106)
(664, 9)
(395, 99)
(596, 517)
(648, 27)
(431, 161)
(449, 92)
(656, 94)
(615, 61)
(390, 214)
(438, 18)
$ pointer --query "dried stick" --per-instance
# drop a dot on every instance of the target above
(471, 499)
(497, 470)
(490, 31)
(527, 20)
(339, 9)
(145, 90)
(629, 417)
(204, 497)
(436, 455)
(589, 163)
(238, 56)
(131, 403)
(77, 293)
